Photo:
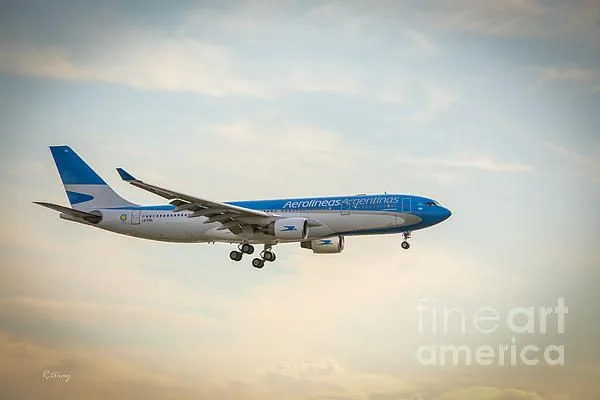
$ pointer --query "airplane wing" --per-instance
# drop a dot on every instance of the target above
(93, 218)
(233, 218)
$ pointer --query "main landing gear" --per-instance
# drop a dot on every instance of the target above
(235, 255)
(405, 245)
(258, 262)
(247, 248)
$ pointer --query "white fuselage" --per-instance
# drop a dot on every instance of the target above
(170, 226)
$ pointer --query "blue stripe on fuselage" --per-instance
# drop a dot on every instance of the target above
(367, 202)
(381, 202)
(352, 203)
(166, 207)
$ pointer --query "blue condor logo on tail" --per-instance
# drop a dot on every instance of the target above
(287, 228)
(355, 202)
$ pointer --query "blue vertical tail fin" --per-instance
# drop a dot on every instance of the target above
(85, 189)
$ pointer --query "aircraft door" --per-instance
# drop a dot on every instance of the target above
(345, 207)
(135, 217)
(406, 205)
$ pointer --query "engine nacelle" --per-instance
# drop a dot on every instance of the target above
(325, 246)
(290, 229)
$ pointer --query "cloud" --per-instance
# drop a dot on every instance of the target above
(480, 162)
(583, 163)
(439, 100)
(422, 43)
(146, 63)
(487, 164)
(590, 163)
(517, 18)
(290, 316)
(504, 18)
(320, 77)
(308, 369)
(151, 62)
(288, 146)
(92, 374)
(186, 65)
(569, 73)
(576, 20)
(95, 373)
(339, 22)
(490, 393)
(89, 313)
(585, 79)
(200, 56)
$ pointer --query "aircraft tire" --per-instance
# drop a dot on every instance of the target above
(269, 256)
(235, 255)
(258, 263)
(247, 248)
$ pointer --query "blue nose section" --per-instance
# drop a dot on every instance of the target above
(444, 214)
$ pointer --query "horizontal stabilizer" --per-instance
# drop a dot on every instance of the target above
(94, 219)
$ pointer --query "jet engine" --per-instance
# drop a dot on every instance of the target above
(325, 246)
(290, 228)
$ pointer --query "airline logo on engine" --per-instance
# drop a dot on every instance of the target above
(287, 228)
(330, 203)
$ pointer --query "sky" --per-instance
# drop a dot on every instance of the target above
(490, 107)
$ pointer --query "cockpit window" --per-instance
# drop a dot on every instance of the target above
(431, 204)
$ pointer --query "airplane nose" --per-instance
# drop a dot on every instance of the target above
(445, 214)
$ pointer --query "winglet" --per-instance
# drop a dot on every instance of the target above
(126, 176)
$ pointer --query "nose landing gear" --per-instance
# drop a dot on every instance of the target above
(405, 245)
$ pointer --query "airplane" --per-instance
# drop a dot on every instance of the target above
(317, 223)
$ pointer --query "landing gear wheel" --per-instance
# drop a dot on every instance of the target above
(405, 245)
(235, 255)
(247, 248)
(269, 256)
(258, 263)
